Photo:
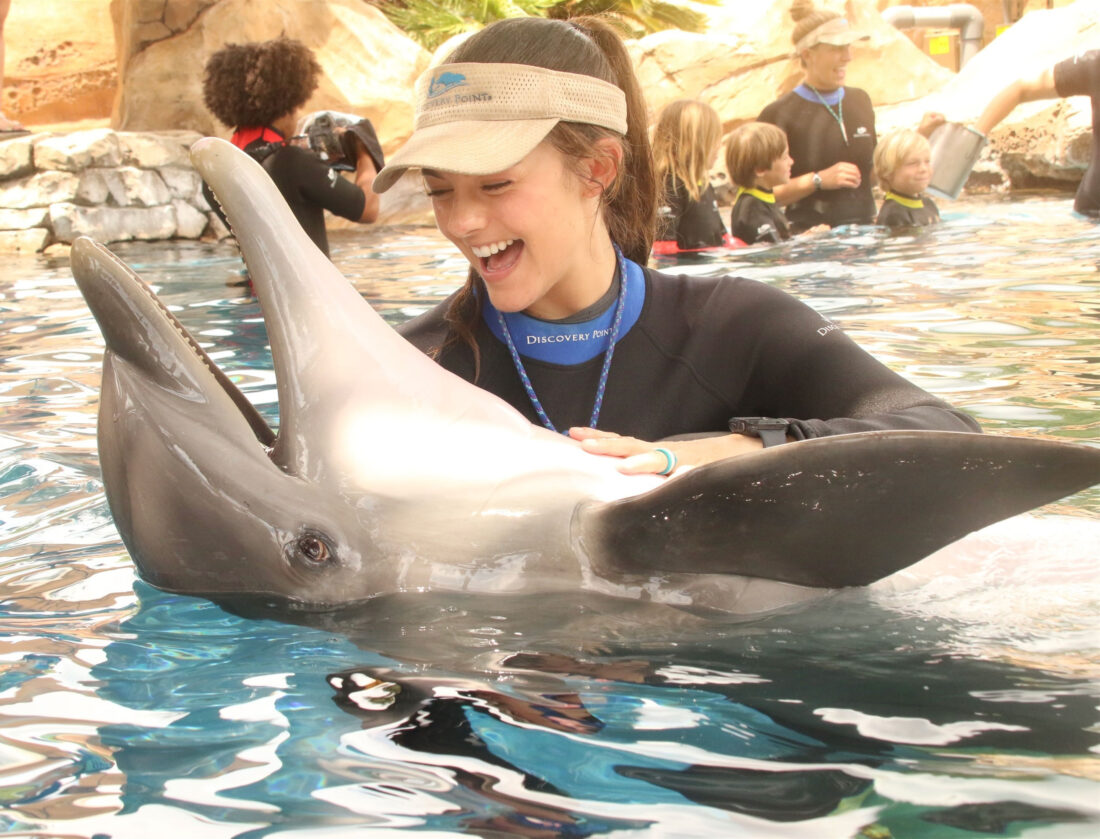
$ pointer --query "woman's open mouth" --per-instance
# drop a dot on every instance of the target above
(498, 256)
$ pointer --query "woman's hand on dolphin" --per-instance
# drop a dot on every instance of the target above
(642, 457)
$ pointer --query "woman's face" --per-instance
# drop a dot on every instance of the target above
(826, 65)
(913, 173)
(778, 173)
(533, 232)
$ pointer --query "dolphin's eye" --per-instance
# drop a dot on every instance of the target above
(311, 548)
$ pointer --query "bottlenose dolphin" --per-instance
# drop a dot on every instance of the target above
(390, 475)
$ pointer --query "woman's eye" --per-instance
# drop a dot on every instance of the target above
(493, 187)
(436, 193)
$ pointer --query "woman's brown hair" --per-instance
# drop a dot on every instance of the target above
(588, 46)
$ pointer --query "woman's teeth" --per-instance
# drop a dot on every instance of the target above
(485, 251)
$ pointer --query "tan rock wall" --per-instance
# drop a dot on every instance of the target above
(59, 62)
(369, 65)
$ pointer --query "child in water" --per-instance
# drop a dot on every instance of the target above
(903, 163)
(758, 160)
(685, 146)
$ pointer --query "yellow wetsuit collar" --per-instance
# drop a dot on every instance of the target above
(905, 200)
(763, 195)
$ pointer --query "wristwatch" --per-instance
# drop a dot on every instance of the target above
(771, 431)
(817, 182)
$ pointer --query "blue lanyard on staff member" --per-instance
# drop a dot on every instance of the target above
(838, 114)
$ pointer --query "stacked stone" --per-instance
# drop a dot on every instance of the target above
(111, 186)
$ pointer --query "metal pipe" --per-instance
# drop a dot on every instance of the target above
(962, 16)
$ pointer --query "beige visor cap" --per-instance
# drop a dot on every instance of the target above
(481, 118)
(835, 32)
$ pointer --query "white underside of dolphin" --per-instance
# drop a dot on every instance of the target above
(389, 474)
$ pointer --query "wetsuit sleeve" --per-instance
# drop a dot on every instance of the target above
(319, 184)
(1078, 76)
(807, 370)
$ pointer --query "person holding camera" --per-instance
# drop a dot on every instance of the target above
(258, 89)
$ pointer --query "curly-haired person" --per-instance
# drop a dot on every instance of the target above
(259, 89)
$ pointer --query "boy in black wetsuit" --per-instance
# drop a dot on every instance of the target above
(903, 164)
(758, 160)
(258, 89)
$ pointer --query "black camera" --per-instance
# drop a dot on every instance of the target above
(335, 137)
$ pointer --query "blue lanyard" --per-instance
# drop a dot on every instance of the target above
(611, 340)
(838, 114)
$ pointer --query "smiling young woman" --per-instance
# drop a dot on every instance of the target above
(531, 141)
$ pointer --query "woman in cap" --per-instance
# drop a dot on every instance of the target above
(830, 127)
(531, 142)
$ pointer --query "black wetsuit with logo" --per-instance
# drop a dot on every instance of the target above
(908, 211)
(691, 224)
(1080, 76)
(816, 143)
(702, 350)
(753, 220)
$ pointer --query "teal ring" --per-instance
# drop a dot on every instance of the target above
(670, 461)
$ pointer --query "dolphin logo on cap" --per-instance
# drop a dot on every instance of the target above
(445, 81)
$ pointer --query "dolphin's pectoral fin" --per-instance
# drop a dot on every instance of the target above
(835, 511)
(139, 329)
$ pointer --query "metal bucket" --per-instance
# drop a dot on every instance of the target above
(955, 150)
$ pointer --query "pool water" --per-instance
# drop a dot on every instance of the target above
(958, 699)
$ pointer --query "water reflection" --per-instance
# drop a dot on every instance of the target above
(962, 696)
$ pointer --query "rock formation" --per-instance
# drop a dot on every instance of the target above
(368, 64)
(59, 62)
(111, 186)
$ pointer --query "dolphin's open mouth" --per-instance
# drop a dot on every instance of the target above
(140, 329)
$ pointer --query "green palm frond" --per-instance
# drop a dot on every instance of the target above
(431, 22)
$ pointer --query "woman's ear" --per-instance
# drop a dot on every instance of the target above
(603, 167)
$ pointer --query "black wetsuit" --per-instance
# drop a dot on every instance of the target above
(309, 185)
(816, 143)
(755, 219)
(1080, 76)
(905, 211)
(698, 351)
(691, 224)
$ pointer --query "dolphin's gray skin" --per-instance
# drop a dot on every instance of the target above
(388, 474)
